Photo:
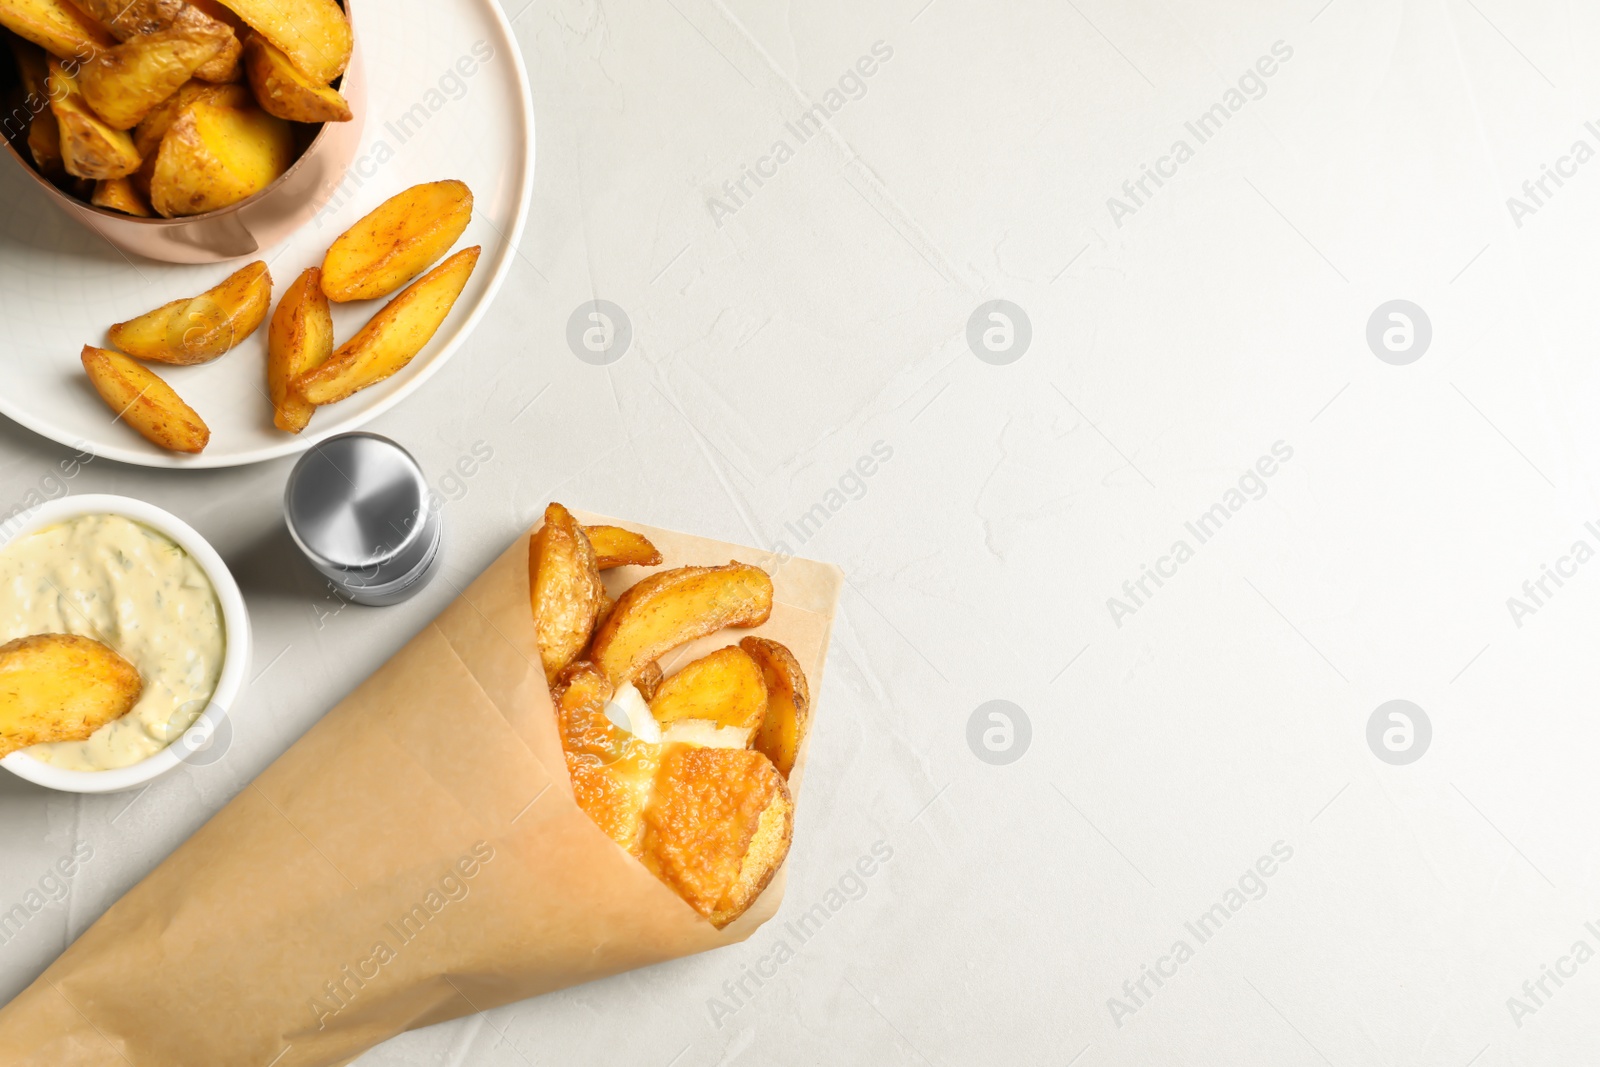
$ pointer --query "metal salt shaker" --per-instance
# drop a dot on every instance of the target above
(358, 506)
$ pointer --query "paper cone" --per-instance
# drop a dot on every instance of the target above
(415, 857)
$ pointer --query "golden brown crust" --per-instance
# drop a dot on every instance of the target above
(699, 826)
(614, 795)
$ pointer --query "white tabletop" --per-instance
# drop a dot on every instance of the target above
(1180, 744)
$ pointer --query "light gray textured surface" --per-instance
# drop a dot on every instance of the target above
(1172, 747)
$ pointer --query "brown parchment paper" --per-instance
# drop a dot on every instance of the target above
(415, 857)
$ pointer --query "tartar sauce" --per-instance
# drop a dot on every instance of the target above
(112, 579)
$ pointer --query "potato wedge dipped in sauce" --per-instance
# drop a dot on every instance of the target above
(61, 687)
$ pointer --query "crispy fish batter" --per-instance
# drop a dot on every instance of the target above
(614, 794)
(718, 827)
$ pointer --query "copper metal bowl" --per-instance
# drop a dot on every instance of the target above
(245, 228)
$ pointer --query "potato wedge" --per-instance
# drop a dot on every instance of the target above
(44, 143)
(120, 194)
(89, 147)
(300, 339)
(314, 34)
(671, 607)
(56, 26)
(396, 241)
(564, 589)
(60, 687)
(282, 90)
(144, 401)
(44, 132)
(717, 701)
(717, 828)
(198, 329)
(227, 65)
(616, 547)
(394, 335)
(215, 154)
(125, 83)
(788, 715)
(148, 134)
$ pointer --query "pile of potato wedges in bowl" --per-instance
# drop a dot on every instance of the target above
(169, 108)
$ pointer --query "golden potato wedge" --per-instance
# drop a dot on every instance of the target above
(44, 132)
(564, 589)
(215, 154)
(154, 126)
(125, 83)
(396, 241)
(394, 335)
(148, 134)
(671, 607)
(314, 34)
(89, 147)
(44, 143)
(144, 401)
(198, 329)
(228, 64)
(788, 715)
(300, 339)
(282, 90)
(717, 828)
(120, 194)
(616, 547)
(648, 680)
(716, 701)
(56, 26)
(60, 687)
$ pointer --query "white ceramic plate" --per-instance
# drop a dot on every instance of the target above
(447, 97)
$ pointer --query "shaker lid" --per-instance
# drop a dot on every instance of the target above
(355, 500)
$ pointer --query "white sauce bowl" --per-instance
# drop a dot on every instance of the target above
(236, 642)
